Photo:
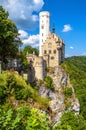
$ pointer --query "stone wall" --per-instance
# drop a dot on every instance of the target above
(39, 68)
(36, 68)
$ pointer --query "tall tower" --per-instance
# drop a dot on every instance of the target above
(44, 27)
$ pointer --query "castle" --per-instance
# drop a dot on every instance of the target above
(51, 50)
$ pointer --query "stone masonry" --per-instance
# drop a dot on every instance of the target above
(53, 51)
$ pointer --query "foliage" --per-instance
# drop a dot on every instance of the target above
(37, 121)
(68, 91)
(29, 50)
(67, 96)
(70, 121)
(23, 119)
(49, 82)
(13, 85)
(8, 37)
(76, 68)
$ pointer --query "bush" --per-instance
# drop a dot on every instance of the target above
(13, 85)
(68, 92)
(70, 121)
(22, 94)
(2, 94)
(49, 82)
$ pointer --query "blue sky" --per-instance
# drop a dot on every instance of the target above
(68, 17)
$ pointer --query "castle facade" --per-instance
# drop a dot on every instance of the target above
(51, 50)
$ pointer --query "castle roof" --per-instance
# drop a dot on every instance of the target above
(53, 37)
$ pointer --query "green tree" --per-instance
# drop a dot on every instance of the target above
(37, 121)
(29, 50)
(23, 119)
(9, 40)
(70, 121)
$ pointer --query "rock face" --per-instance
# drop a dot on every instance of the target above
(57, 106)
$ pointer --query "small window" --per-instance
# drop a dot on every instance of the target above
(42, 34)
(42, 27)
(54, 51)
(49, 51)
(52, 58)
(45, 52)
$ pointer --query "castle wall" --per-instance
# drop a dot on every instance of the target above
(53, 51)
(39, 68)
(31, 73)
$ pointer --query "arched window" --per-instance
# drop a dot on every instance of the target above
(49, 51)
(54, 51)
(42, 27)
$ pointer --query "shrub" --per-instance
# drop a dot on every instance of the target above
(68, 92)
(13, 85)
(49, 82)
(23, 94)
(2, 94)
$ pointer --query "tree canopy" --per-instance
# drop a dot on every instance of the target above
(70, 121)
(8, 37)
(29, 50)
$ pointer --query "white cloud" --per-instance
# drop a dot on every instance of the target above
(71, 47)
(67, 28)
(32, 40)
(23, 12)
(23, 34)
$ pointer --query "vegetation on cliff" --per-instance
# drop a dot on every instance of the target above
(70, 121)
(20, 104)
(76, 68)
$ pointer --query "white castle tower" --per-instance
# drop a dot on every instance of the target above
(44, 27)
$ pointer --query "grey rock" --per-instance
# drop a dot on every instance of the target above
(57, 106)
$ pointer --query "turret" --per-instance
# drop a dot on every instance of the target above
(44, 27)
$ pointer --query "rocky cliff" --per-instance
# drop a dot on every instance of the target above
(57, 97)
